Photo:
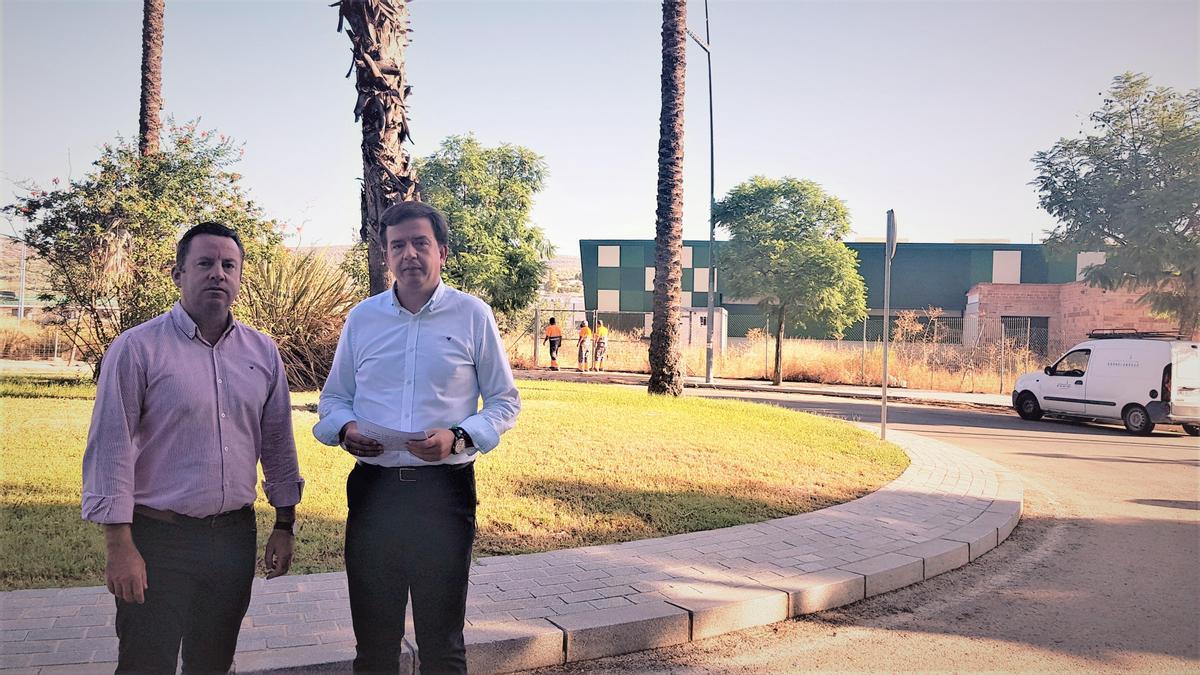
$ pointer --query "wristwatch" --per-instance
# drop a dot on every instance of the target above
(462, 441)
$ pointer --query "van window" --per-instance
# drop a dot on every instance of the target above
(1074, 364)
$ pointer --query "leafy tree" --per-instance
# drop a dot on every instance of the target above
(1131, 188)
(666, 372)
(786, 249)
(487, 194)
(109, 237)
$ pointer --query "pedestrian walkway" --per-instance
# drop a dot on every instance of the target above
(918, 396)
(527, 611)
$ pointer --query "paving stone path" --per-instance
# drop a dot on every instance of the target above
(526, 611)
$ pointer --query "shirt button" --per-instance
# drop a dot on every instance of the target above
(226, 448)
(222, 415)
(219, 380)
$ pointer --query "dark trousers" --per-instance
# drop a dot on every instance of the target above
(199, 574)
(410, 531)
(555, 344)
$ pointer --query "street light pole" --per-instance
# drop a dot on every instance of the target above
(712, 203)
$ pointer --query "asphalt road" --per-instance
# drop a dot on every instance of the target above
(1102, 574)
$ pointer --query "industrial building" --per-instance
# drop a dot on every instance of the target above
(985, 288)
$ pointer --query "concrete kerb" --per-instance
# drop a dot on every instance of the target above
(688, 587)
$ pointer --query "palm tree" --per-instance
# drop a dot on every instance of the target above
(152, 46)
(378, 31)
(666, 376)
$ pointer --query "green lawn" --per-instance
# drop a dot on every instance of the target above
(586, 464)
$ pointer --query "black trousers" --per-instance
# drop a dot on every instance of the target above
(199, 574)
(555, 344)
(410, 531)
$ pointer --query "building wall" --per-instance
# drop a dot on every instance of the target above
(1084, 308)
(1019, 280)
(1073, 310)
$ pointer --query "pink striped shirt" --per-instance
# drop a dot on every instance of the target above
(181, 425)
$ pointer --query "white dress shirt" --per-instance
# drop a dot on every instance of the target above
(414, 372)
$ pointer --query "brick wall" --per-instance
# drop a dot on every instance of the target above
(1085, 308)
(997, 300)
(1073, 309)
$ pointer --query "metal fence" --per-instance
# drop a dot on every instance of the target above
(33, 341)
(927, 352)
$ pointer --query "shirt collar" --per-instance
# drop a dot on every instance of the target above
(434, 302)
(183, 321)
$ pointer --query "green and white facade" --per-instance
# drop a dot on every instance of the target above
(618, 276)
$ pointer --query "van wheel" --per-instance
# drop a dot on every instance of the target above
(1137, 420)
(1028, 408)
(1192, 429)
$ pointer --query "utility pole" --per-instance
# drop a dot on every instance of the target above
(705, 44)
(21, 296)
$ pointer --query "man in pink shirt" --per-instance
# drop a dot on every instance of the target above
(187, 405)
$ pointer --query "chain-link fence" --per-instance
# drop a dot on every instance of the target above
(627, 341)
(30, 340)
(928, 350)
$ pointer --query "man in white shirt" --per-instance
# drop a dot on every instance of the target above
(415, 358)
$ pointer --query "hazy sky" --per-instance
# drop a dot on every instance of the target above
(931, 108)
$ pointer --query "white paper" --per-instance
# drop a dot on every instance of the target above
(392, 440)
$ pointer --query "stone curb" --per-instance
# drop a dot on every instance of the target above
(691, 603)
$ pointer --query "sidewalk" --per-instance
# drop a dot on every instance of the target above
(914, 396)
(534, 610)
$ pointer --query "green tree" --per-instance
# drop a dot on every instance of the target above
(487, 195)
(786, 250)
(1131, 188)
(109, 237)
(666, 371)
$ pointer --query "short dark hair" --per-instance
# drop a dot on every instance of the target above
(402, 211)
(551, 321)
(218, 229)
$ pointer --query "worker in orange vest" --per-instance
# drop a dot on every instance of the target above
(585, 346)
(554, 337)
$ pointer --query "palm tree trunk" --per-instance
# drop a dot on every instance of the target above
(666, 375)
(777, 378)
(378, 31)
(149, 123)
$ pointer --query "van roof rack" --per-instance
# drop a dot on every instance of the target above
(1133, 334)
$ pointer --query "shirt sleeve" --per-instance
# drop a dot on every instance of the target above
(110, 456)
(501, 401)
(336, 406)
(281, 469)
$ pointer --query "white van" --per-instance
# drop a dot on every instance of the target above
(1138, 380)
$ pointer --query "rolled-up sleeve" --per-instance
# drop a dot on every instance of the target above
(336, 407)
(110, 456)
(281, 468)
(501, 400)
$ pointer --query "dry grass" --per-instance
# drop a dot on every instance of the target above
(916, 365)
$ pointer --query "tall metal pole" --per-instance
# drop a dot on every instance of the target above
(21, 298)
(888, 252)
(712, 201)
(712, 204)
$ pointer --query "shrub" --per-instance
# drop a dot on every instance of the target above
(301, 301)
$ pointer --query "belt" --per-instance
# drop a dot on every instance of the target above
(411, 474)
(220, 520)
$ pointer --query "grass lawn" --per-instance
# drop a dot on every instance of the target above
(586, 464)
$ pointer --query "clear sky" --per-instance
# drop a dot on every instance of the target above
(931, 108)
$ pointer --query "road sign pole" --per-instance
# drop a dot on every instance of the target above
(889, 251)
